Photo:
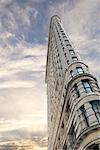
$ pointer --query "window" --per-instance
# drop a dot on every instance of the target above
(63, 48)
(68, 62)
(67, 40)
(68, 110)
(72, 73)
(87, 86)
(77, 90)
(65, 146)
(65, 37)
(94, 147)
(62, 125)
(59, 75)
(63, 33)
(68, 45)
(96, 108)
(72, 134)
(59, 138)
(65, 54)
(74, 59)
(71, 52)
(79, 70)
(84, 114)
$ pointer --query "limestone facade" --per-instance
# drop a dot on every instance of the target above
(73, 96)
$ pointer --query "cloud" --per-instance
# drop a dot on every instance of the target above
(16, 18)
(36, 143)
(23, 26)
(6, 35)
(22, 66)
(23, 117)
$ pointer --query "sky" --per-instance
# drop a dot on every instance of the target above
(24, 26)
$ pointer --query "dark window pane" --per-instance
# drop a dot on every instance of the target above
(76, 90)
(84, 114)
(87, 86)
(72, 73)
(96, 107)
(74, 59)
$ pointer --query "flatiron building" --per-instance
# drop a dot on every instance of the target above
(73, 96)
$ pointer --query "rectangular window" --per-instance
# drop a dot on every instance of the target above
(79, 70)
(65, 54)
(87, 86)
(72, 134)
(62, 125)
(63, 48)
(96, 108)
(63, 33)
(94, 147)
(68, 45)
(67, 62)
(71, 52)
(77, 90)
(84, 114)
(65, 146)
(67, 40)
(74, 59)
(72, 73)
(65, 37)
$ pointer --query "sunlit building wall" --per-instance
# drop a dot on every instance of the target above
(73, 96)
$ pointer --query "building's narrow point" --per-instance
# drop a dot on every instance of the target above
(73, 96)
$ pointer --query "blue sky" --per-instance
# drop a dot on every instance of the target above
(24, 26)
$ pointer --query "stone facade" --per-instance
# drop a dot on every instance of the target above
(73, 96)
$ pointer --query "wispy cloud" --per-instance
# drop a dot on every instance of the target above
(22, 66)
(36, 144)
(23, 47)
